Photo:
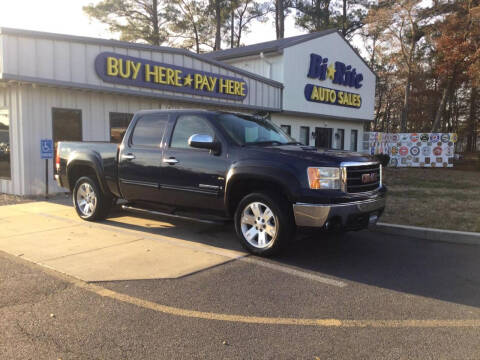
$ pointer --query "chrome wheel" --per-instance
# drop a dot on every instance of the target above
(86, 199)
(258, 224)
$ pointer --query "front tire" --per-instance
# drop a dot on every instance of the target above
(89, 201)
(263, 223)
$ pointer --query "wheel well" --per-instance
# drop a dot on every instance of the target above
(77, 171)
(241, 188)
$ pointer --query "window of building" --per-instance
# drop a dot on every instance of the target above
(304, 135)
(5, 168)
(118, 125)
(287, 129)
(188, 125)
(67, 125)
(149, 130)
(340, 139)
(353, 140)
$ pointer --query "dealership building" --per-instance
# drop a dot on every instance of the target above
(64, 87)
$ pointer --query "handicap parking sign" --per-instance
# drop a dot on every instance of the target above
(46, 149)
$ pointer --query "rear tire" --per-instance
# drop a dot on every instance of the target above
(90, 202)
(264, 223)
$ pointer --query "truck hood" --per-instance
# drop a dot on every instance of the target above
(312, 155)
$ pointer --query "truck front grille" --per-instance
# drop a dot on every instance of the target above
(361, 178)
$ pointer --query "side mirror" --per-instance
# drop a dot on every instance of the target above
(203, 141)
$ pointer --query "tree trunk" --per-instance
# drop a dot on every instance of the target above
(197, 40)
(472, 133)
(344, 19)
(232, 29)
(156, 28)
(441, 108)
(406, 100)
(218, 25)
(280, 18)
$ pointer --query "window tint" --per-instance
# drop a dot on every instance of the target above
(188, 125)
(287, 129)
(245, 129)
(353, 140)
(4, 145)
(67, 125)
(305, 135)
(118, 125)
(340, 139)
(149, 130)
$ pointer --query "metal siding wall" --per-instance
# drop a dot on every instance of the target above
(36, 123)
(10, 99)
(71, 61)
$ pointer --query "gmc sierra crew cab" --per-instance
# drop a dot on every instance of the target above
(217, 166)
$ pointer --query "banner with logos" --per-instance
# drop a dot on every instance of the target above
(414, 149)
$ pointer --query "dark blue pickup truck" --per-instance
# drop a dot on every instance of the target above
(216, 166)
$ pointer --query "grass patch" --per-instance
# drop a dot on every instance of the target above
(437, 198)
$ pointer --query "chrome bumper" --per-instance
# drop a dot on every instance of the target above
(345, 214)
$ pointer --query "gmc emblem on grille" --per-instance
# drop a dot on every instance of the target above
(369, 178)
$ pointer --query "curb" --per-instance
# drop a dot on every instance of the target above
(449, 236)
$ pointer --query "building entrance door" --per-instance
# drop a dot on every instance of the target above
(323, 137)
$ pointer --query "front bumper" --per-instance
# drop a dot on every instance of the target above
(351, 215)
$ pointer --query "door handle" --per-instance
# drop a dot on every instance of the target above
(171, 161)
(128, 156)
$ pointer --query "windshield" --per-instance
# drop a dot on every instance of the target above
(249, 130)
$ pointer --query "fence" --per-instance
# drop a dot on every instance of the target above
(412, 149)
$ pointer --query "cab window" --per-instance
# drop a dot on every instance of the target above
(188, 125)
(149, 130)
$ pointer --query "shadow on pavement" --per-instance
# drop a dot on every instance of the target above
(449, 272)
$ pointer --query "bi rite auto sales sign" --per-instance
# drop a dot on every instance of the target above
(132, 71)
(338, 73)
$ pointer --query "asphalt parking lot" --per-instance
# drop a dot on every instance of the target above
(143, 288)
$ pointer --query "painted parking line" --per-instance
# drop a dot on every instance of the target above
(321, 322)
(294, 272)
(245, 319)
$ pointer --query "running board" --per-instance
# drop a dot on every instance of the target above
(160, 213)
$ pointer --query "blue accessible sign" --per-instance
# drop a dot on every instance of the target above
(46, 149)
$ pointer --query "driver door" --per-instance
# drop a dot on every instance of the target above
(192, 177)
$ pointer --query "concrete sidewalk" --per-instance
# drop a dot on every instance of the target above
(124, 247)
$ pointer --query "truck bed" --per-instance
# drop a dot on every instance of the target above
(104, 153)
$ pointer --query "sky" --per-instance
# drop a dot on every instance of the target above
(67, 17)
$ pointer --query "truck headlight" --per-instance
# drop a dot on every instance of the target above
(323, 177)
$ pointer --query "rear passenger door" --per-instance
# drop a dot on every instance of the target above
(192, 177)
(140, 159)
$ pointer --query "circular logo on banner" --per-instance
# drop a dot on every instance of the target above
(415, 150)
(437, 151)
(445, 138)
(404, 137)
(424, 137)
(394, 138)
(394, 150)
(403, 151)
(434, 138)
(453, 137)
(414, 137)
(426, 150)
